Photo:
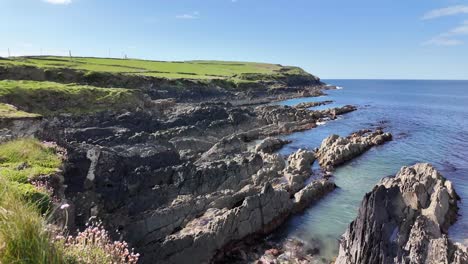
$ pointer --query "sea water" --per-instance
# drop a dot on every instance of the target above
(429, 122)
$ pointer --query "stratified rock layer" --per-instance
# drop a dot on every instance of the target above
(405, 220)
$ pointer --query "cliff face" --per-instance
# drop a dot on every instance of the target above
(182, 184)
(405, 220)
(185, 89)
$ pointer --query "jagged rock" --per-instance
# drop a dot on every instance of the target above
(189, 147)
(227, 146)
(336, 150)
(313, 104)
(270, 145)
(301, 161)
(159, 172)
(199, 240)
(313, 192)
(291, 119)
(299, 168)
(405, 220)
(272, 167)
(334, 112)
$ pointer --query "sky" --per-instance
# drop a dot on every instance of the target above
(359, 39)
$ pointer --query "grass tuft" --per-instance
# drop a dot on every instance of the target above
(24, 237)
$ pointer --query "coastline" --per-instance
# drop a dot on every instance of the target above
(200, 179)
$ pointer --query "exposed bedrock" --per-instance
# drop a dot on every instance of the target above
(405, 219)
(313, 104)
(336, 150)
(11, 128)
(181, 181)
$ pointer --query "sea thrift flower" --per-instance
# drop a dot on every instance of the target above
(86, 245)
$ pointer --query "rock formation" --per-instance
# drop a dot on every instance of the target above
(405, 220)
(336, 150)
(313, 104)
(187, 177)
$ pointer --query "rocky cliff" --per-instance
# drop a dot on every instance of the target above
(182, 181)
(405, 219)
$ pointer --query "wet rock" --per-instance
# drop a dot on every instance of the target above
(336, 150)
(405, 220)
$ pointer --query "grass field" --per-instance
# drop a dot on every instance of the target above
(172, 70)
(46, 98)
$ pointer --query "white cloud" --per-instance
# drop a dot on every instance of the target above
(450, 38)
(448, 11)
(194, 15)
(460, 30)
(442, 41)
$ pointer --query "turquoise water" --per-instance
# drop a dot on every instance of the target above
(429, 121)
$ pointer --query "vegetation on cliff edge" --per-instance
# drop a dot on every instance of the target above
(26, 233)
(47, 98)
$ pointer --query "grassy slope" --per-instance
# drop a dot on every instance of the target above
(48, 98)
(27, 230)
(23, 235)
(10, 111)
(174, 70)
(23, 161)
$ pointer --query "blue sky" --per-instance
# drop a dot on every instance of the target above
(402, 39)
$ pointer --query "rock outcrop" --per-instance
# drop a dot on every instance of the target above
(313, 104)
(181, 181)
(270, 144)
(405, 220)
(336, 150)
(299, 168)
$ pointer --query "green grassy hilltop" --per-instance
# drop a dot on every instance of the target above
(171, 70)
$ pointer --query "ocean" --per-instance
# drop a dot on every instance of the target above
(429, 122)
